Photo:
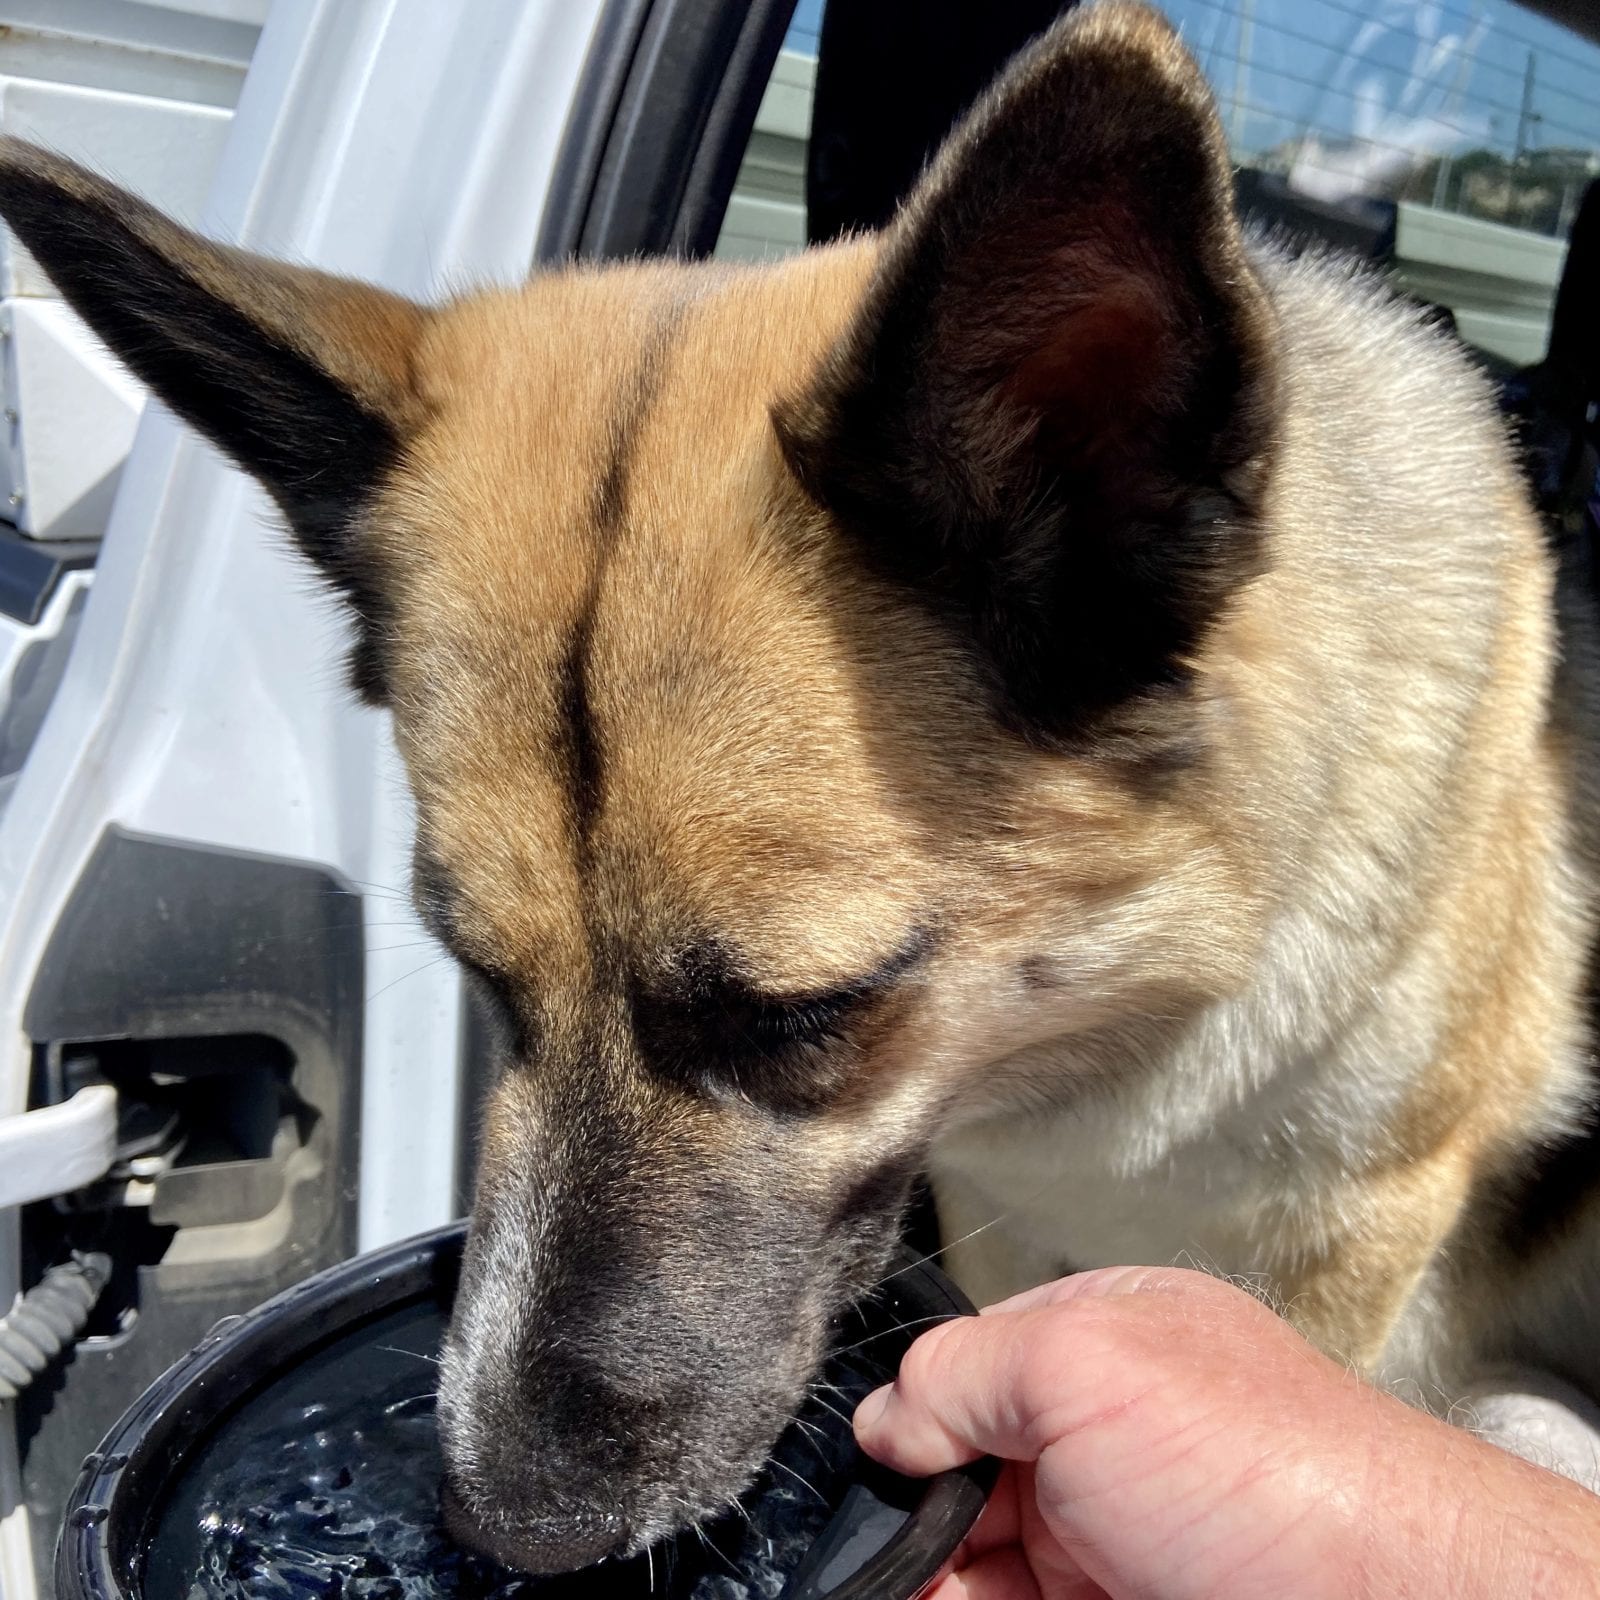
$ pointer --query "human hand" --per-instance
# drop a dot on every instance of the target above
(1165, 1434)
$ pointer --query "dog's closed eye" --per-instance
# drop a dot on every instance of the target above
(710, 1028)
(805, 1019)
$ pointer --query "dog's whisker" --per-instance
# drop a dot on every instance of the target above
(719, 1553)
(846, 1396)
(376, 888)
(416, 1355)
(824, 1386)
(884, 1333)
(415, 972)
(832, 1409)
(270, 940)
(933, 1255)
(395, 895)
(811, 1433)
(805, 1483)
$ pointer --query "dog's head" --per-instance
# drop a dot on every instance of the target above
(801, 673)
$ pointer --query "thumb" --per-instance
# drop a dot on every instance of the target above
(1005, 1383)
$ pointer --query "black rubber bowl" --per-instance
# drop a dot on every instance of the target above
(236, 1464)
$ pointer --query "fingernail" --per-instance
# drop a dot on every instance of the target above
(870, 1412)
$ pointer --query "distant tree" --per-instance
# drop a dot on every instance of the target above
(1539, 192)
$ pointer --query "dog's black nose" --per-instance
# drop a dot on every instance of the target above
(534, 1546)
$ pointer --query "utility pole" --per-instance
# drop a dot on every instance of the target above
(1527, 118)
(1241, 71)
(1441, 180)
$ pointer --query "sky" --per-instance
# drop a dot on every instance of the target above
(807, 19)
(1435, 74)
(1405, 75)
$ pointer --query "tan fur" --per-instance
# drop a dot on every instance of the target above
(793, 754)
(1283, 971)
(774, 772)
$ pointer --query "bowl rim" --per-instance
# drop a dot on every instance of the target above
(99, 1557)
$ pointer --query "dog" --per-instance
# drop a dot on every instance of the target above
(1056, 695)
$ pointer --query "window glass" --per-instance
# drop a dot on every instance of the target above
(1476, 121)
(767, 211)
(1455, 138)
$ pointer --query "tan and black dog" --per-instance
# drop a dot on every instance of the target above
(1053, 695)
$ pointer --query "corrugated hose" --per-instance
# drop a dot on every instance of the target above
(49, 1318)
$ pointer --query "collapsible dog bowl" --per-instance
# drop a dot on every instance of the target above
(293, 1453)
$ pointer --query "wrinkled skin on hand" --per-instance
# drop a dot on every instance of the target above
(1167, 1435)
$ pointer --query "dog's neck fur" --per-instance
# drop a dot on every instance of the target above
(1239, 1123)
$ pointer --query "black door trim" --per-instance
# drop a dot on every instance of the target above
(659, 127)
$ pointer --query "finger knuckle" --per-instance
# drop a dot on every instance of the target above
(925, 1365)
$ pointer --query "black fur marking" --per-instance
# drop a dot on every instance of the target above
(705, 1025)
(309, 441)
(1051, 416)
(438, 902)
(1039, 973)
(610, 503)
(921, 1229)
(1549, 1195)
(885, 1191)
(610, 500)
(367, 671)
(582, 750)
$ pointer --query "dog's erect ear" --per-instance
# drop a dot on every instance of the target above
(1052, 409)
(302, 378)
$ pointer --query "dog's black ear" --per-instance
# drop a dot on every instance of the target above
(302, 378)
(1052, 410)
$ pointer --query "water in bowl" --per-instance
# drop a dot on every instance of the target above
(326, 1487)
